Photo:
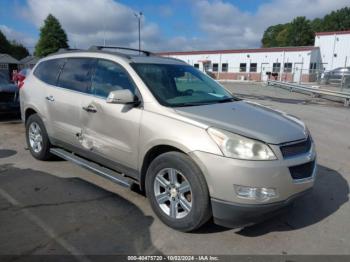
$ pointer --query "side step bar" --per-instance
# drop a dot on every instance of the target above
(93, 167)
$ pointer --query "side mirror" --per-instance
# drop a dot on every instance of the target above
(124, 96)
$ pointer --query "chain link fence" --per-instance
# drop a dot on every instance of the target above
(337, 79)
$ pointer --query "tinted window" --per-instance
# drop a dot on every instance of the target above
(47, 71)
(108, 77)
(76, 74)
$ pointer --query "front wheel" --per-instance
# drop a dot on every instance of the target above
(178, 192)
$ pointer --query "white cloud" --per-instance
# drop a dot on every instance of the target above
(226, 26)
(88, 22)
(220, 24)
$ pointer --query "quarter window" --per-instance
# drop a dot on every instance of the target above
(76, 74)
(47, 71)
(109, 77)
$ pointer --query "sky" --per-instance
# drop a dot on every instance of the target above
(173, 25)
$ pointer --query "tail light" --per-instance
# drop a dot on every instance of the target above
(20, 84)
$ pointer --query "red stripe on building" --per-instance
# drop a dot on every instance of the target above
(345, 32)
(234, 51)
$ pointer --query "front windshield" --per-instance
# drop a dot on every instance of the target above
(181, 85)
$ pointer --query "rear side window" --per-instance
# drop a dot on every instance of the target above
(76, 74)
(108, 77)
(47, 71)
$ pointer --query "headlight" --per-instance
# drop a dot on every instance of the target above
(236, 146)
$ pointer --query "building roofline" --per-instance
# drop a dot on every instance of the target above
(249, 50)
(344, 32)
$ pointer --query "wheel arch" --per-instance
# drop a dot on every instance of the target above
(150, 155)
(28, 112)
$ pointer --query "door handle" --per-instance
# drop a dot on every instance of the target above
(50, 98)
(90, 109)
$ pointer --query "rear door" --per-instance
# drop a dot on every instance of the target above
(64, 100)
(111, 130)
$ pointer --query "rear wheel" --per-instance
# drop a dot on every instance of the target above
(37, 138)
(178, 192)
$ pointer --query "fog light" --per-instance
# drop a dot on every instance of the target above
(256, 193)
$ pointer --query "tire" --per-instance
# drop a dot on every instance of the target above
(192, 204)
(41, 152)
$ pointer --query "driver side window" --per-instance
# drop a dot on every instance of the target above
(108, 77)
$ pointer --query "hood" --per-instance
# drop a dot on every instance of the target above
(8, 88)
(248, 119)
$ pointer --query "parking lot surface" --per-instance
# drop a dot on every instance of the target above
(58, 208)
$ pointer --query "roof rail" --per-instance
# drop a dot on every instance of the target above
(67, 49)
(98, 47)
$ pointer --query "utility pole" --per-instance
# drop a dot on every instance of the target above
(138, 16)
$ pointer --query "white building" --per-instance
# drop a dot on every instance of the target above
(334, 48)
(331, 50)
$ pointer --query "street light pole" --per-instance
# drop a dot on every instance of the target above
(138, 16)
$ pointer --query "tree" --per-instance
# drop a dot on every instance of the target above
(270, 35)
(12, 48)
(337, 20)
(282, 36)
(4, 44)
(18, 50)
(317, 25)
(52, 37)
(300, 32)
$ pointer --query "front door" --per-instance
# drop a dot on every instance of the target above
(110, 130)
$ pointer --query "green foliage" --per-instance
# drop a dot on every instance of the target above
(52, 37)
(13, 48)
(337, 20)
(271, 34)
(301, 31)
(18, 51)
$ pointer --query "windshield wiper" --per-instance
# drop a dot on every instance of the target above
(226, 100)
(192, 104)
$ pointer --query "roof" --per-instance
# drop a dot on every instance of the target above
(235, 51)
(7, 59)
(29, 60)
(344, 32)
(152, 58)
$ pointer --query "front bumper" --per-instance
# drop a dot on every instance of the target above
(232, 215)
(222, 173)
